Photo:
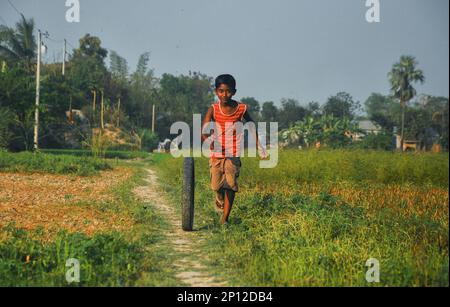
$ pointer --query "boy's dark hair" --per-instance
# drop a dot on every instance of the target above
(226, 79)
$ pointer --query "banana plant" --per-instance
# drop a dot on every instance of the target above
(327, 130)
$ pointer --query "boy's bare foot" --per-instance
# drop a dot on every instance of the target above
(219, 206)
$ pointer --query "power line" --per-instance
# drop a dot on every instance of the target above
(55, 41)
(60, 41)
(18, 12)
(45, 34)
(71, 45)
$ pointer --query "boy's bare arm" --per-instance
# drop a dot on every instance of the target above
(208, 118)
(248, 118)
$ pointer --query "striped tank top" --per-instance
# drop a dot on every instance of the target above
(228, 136)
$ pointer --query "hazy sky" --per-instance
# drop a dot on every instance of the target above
(302, 49)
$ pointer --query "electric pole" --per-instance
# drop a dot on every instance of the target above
(101, 111)
(118, 114)
(38, 80)
(94, 100)
(153, 119)
(64, 58)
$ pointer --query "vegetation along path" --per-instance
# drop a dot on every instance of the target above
(190, 269)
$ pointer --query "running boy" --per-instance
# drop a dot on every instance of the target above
(225, 162)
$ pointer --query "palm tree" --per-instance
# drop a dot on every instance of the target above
(18, 45)
(401, 77)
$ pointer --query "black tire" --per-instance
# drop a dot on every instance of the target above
(187, 205)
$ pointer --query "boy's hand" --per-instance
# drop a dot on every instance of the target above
(263, 154)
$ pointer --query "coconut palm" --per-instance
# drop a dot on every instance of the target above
(401, 77)
(18, 45)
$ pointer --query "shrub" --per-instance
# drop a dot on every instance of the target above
(149, 140)
(381, 141)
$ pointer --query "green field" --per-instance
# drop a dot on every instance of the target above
(110, 258)
(53, 164)
(109, 154)
(316, 218)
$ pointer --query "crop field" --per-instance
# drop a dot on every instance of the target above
(314, 220)
(101, 126)
(58, 207)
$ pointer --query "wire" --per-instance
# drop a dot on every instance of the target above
(18, 12)
(47, 36)
(58, 41)
(71, 45)
(55, 41)
(44, 34)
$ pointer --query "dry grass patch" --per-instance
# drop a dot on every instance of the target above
(50, 201)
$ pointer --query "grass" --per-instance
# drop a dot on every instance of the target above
(47, 163)
(110, 154)
(313, 221)
(26, 261)
(320, 215)
(354, 166)
(136, 257)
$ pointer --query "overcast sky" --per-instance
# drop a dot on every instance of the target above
(302, 49)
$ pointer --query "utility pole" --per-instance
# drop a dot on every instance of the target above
(94, 99)
(102, 125)
(64, 58)
(153, 119)
(118, 114)
(38, 80)
(402, 139)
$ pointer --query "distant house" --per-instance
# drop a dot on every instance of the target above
(366, 127)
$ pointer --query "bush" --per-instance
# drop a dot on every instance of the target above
(381, 141)
(5, 133)
(149, 140)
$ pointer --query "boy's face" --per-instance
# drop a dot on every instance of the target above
(225, 93)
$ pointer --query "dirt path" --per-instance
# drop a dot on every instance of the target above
(188, 255)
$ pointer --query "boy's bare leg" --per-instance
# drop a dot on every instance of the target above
(221, 195)
(220, 199)
(229, 199)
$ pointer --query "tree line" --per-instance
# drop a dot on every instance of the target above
(112, 95)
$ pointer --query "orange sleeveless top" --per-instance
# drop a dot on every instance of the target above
(228, 138)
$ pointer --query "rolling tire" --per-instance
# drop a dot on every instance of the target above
(187, 210)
